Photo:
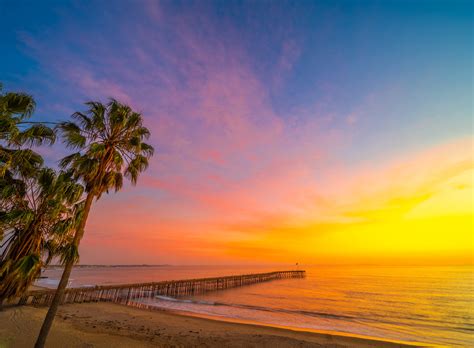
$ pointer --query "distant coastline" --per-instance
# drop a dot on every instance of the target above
(111, 266)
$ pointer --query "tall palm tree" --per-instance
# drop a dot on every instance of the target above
(40, 212)
(110, 143)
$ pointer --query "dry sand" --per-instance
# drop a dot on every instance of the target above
(112, 325)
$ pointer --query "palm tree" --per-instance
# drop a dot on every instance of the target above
(28, 208)
(110, 143)
(18, 135)
(16, 132)
(40, 213)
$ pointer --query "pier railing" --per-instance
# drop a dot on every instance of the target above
(128, 293)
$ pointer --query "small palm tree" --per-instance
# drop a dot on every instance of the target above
(35, 203)
(40, 212)
(17, 134)
(110, 143)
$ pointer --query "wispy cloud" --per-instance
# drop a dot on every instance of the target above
(237, 170)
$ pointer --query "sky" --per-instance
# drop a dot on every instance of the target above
(318, 132)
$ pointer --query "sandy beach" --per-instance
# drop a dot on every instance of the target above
(112, 325)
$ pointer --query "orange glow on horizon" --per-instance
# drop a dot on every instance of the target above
(416, 210)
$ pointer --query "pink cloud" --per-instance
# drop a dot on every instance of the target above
(227, 164)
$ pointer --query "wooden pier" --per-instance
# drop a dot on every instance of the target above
(127, 293)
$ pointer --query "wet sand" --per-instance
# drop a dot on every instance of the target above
(112, 325)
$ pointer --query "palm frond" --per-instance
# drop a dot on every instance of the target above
(35, 135)
(72, 135)
(20, 104)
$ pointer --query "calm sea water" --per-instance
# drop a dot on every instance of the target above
(422, 304)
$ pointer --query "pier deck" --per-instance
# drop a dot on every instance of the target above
(127, 293)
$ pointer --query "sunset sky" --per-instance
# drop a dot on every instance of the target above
(322, 132)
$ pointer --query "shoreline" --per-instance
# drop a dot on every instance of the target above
(217, 318)
(296, 329)
(107, 324)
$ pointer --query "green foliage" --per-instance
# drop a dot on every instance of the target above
(39, 223)
(15, 130)
(39, 208)
(16, 133)
(41, 213)
(110, 139)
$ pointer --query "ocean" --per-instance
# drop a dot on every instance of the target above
(419, 304)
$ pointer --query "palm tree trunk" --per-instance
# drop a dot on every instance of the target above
(59, 294)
